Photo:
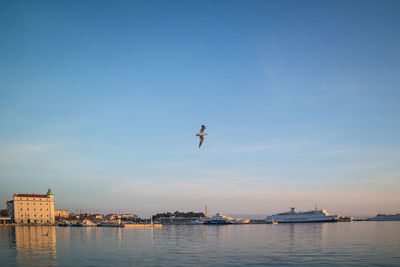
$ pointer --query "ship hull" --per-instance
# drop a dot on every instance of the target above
(302, 221)
(385, 218)
(216, 222)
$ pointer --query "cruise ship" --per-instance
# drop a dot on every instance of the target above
(294, 216)
(385, 217)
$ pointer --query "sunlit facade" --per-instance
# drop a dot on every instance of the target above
(32, 208)
(61, 214)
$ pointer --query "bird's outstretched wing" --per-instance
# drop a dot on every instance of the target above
(202, 128)
(201, 140)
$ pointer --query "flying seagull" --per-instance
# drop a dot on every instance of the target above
(201, 134)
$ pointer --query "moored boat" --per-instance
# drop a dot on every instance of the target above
(219, 219)
(105, 224)
(294, 216)
(385, 217)
(88, 223)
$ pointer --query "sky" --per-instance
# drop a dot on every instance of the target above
(101, 100)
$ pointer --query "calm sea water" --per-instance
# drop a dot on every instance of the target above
(355, 243)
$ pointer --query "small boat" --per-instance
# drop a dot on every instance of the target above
(241, 221)
(88, 223)
(219, 219)
(198, 221)
(77, 224)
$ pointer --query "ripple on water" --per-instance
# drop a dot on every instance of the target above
(184, 245)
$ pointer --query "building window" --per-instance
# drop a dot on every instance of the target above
(40, 204)
(40, 209)
(21, 208)
(27, 209)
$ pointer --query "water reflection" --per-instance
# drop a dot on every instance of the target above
(368, 243)
(36, 245)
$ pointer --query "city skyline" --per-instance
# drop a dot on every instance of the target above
(101, 103)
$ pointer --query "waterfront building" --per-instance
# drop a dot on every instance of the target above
(74, 216)
(32, 208)
(61, 214)
(96, 216)
(5, 220)
(113, 217)
(128, 216)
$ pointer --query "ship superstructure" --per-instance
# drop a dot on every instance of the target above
(219, 219)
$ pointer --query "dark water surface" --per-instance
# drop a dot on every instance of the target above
(355, 243)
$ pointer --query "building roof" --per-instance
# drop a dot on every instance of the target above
(30, 195)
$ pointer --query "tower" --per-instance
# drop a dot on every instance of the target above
(50, 195)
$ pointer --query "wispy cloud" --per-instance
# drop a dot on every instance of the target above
(15, 152)
(187, 189)
(257, 148)
(369, 165)
(277, 145)
(41, 157)
(330, 152)
(172, 164)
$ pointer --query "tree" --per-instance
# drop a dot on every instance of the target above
(3, 213)
(179, 214)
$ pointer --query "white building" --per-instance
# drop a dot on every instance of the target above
(32, 208)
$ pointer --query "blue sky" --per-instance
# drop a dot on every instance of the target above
(101, 101)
